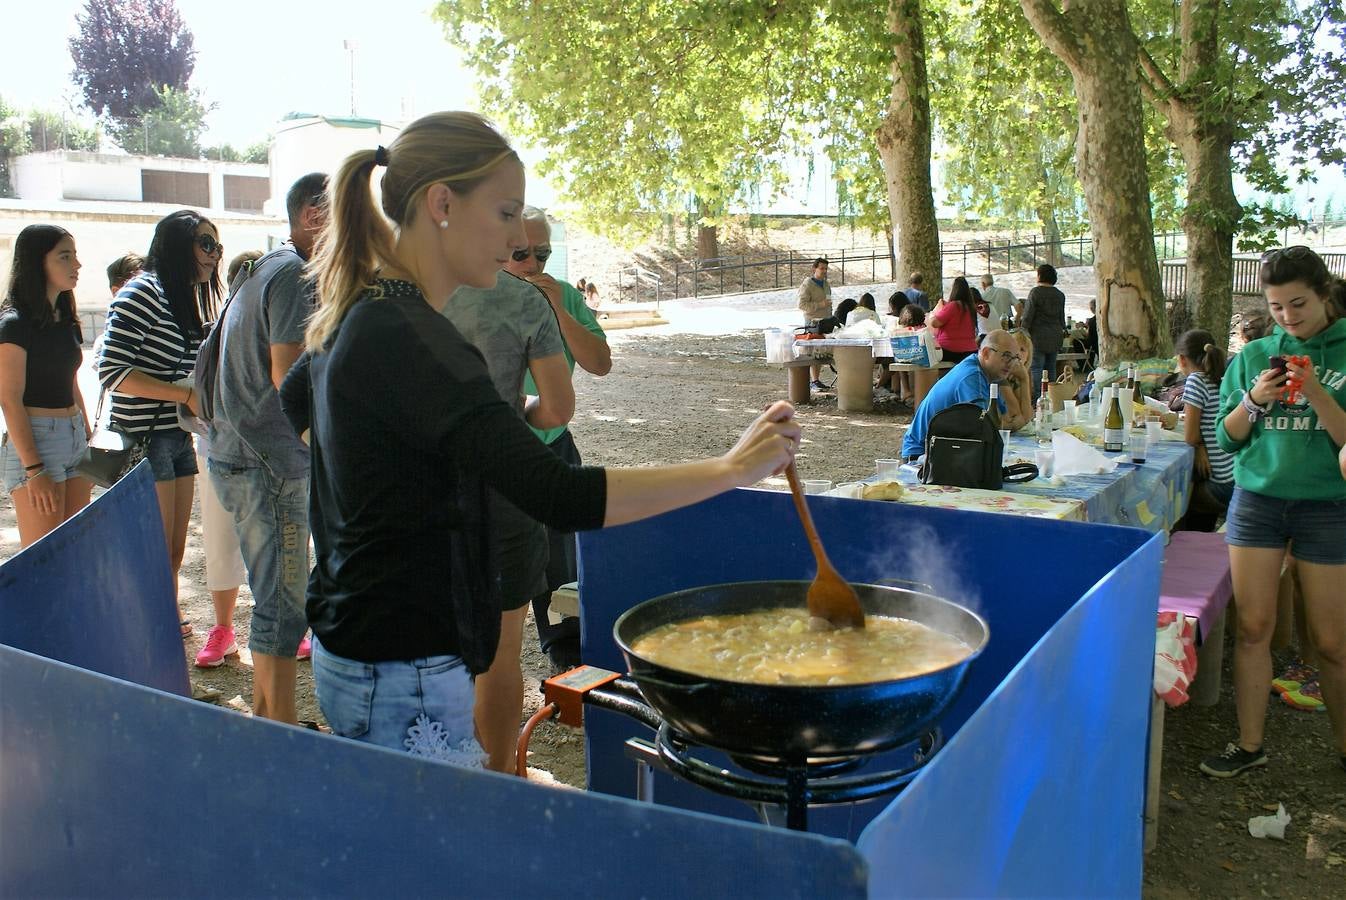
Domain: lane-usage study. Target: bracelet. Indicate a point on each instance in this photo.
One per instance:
(29, 476)
(188, 401)
(36, 465)
(1254, 411)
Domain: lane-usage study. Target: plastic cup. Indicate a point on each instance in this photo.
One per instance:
(1046, 462)
(816, 485)
(887, 468)
(1068, 407)
(1154, 430)
(1004, 445)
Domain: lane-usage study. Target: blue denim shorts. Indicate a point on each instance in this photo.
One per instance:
(171, 455)
(271, 520)
(419, 706)
(1314, 529)
(60, 445)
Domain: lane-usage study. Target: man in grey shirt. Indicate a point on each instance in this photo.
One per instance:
(259, 468)
(1001, 300)
(516, 330)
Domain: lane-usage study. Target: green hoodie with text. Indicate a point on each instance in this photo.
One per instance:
(1288, 454)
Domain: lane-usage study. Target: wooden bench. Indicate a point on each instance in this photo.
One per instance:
(1196, 582)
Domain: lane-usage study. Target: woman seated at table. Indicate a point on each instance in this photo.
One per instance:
(1015, 390)
(955, 322)
(864, 312)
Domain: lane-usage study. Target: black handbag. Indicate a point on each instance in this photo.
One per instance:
(963, 449)
(111, 452)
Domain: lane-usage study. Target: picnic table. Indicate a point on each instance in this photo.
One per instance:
(854, 359)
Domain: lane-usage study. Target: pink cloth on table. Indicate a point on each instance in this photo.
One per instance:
(1196, 580)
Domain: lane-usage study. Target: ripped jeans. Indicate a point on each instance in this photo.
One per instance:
(420, 706)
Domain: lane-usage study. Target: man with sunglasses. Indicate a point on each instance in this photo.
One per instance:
(585, 344)
(257, 465)
(968, 382)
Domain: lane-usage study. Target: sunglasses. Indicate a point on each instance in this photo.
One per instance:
(208, 244)
(541, 254)
(1299, 251)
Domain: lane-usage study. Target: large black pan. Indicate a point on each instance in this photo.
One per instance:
(794, 721)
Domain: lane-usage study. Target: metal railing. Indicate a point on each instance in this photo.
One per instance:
(634, 276)
(745, 273)
(1246, 280)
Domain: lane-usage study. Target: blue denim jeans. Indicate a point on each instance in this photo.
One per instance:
(271, 519)
(1314, 529)
(60, 446)
(419, 706)
(171, 455)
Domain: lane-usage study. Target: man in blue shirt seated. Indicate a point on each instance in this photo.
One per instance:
(967, 382)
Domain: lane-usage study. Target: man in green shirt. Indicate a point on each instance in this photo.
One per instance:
(586, 344)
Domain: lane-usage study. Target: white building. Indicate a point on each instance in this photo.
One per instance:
(59, 175)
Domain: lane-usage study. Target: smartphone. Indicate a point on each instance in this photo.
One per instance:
(1277, 364)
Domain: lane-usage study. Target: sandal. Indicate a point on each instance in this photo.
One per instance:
(186, 627)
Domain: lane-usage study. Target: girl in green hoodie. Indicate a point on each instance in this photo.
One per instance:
(1289, 490)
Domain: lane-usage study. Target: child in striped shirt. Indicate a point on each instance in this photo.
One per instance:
(1203, 363)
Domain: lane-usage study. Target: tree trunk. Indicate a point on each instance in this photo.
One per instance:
(1199, 120)
(707, 242)
(904, 149)
(1209, 222)
(1095, 41)
(892, 253)
(1051, 231)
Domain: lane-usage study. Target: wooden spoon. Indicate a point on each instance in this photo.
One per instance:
(830, 597)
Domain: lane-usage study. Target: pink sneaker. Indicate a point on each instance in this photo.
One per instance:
(219, 644)
(305, 649)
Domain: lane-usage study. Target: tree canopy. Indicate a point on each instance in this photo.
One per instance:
(129, 56)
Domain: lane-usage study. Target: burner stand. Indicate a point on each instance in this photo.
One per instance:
(770, 783)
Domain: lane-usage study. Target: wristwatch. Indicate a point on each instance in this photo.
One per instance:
(1253, 410)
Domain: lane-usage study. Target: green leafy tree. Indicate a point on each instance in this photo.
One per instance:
(643, 106)
(14, 141)
(127, 53)
(172, 127)
(52, 131)
(1246, 86)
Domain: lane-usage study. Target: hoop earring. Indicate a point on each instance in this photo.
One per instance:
(444, 223)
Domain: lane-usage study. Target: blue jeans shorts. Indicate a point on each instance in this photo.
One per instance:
(418, 706)
(1315, 529)
(60, 445)
(171, 455)
(271, 520)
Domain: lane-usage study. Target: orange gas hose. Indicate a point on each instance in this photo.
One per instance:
(548, 711)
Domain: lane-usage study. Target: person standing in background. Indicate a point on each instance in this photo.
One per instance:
(584, 343)
(815, 304)
(516, 331)
(153, 329)
(1044, 319)
(915, 294)
(1000, 299)
(257, 464)
(46, 426)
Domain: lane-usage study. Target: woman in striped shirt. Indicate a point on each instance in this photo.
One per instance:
(1203, 363)
(154, 327)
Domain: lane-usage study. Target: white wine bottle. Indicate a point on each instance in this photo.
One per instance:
(1114, 427)
(1043, 411)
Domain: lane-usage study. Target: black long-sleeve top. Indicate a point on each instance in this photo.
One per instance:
(403, 417)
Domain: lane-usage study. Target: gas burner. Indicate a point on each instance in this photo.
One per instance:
(772, 783)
